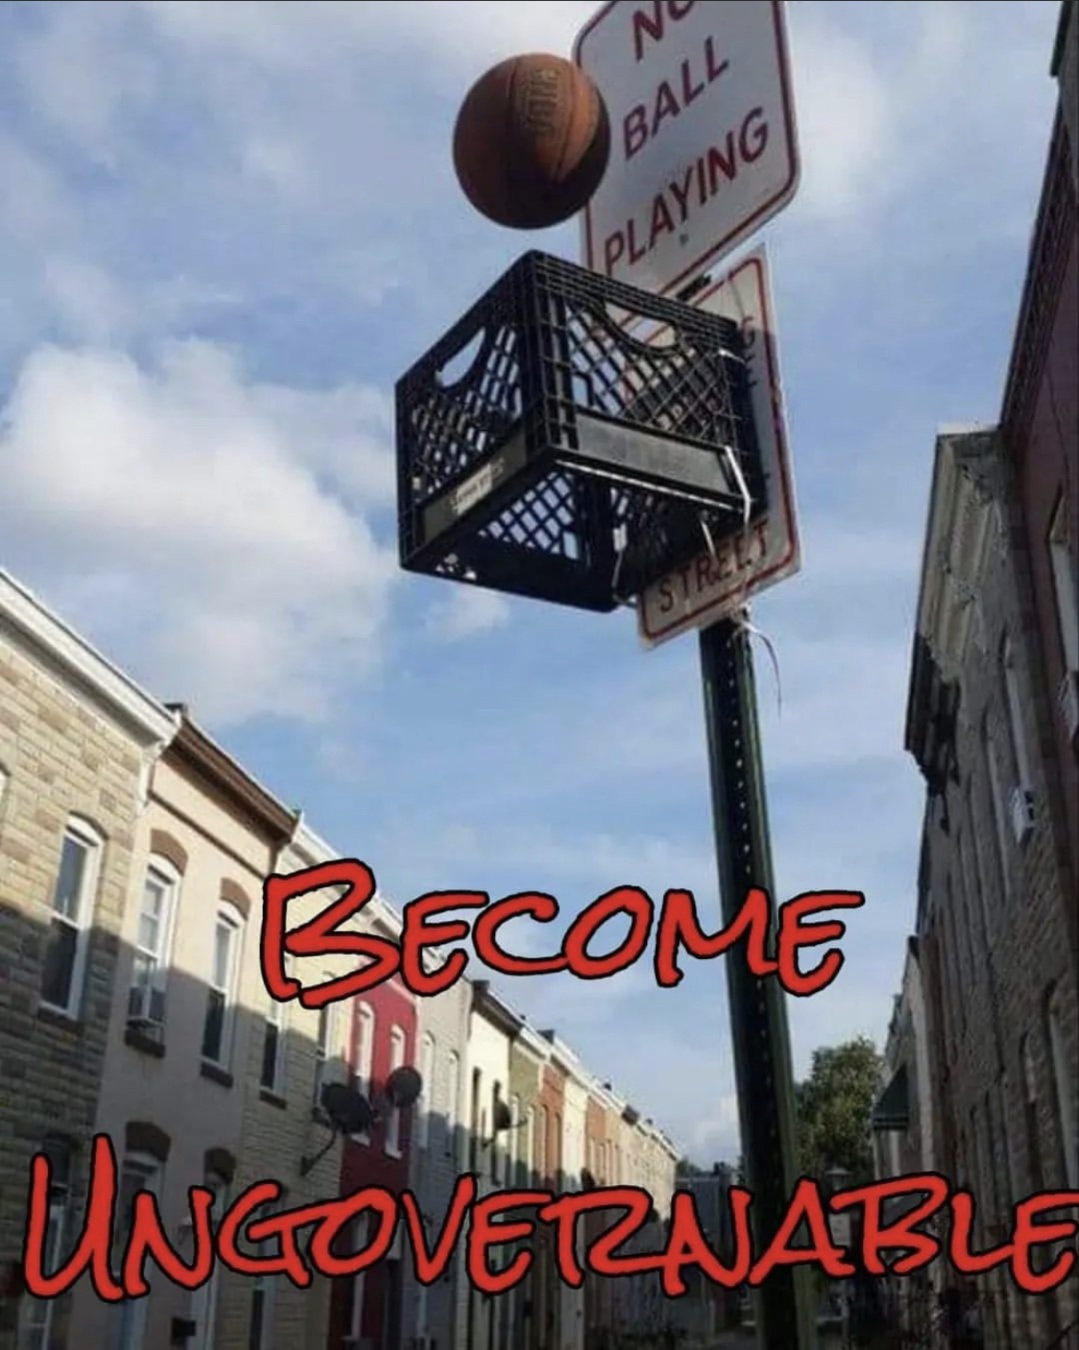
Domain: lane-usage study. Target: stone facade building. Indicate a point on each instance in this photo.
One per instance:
(993, 909)
(77, 746)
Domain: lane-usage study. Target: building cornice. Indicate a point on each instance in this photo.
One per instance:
(195, 751)
(48, 641)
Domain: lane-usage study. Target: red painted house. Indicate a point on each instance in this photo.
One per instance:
(365, 1312)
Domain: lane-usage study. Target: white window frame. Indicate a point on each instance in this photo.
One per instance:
(364, 1031)
(277, 1018)
(82, 833)
(131, 1313)
(398, 1050)
(453, 1099)
(325, 1044)
(35, 1323)
(204, 1300)
(1063, 565)
(265, 1285)
(233, 919)
(355, 1320)
(427, 1096)
(512, 1144)
(168, 877)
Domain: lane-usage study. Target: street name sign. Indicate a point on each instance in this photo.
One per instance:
(713, 586)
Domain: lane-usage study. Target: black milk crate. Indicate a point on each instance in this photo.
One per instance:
(568, 459)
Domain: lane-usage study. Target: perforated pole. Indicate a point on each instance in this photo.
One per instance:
(762, 1062)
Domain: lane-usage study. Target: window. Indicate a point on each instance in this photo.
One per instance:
(1014, 705)
(427, 1097)
(139, 1172)
(393, 1119)
(996, 792)
(69, 928)
(1064, 1087)
(541, 1145)
(324, 1046)
(453, 1092)
(221, 996)
(146, 1000)
(272, 1077)
(355, 1319)
(260, 1333)
(1063, 560)
(496, 1143)
(364, 1031)
(513, 1146)
(36, 1321)
(204, 1299)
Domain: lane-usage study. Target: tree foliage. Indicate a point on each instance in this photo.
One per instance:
(834, 1105)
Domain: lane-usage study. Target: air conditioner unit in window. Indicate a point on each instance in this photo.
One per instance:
(146, 1010)
(1068, 702)
(1022, 813)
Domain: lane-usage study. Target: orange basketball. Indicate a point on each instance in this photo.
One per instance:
(531, 142)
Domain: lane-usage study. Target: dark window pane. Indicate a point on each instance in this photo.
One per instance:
(215, 1025)
(254, 1340)
(59, 964)
(269, 1057)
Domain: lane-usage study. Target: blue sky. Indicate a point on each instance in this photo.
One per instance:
(226, 229)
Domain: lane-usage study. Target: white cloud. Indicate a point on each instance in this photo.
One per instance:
(202, 519)
(466, 611)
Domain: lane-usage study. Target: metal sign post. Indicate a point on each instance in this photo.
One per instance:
(762, 1061)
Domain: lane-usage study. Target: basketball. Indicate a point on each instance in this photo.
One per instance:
(531, 142)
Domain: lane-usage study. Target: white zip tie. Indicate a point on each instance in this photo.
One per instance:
(741, 620)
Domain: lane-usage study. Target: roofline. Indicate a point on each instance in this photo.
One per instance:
(197, 750)
(40, 630)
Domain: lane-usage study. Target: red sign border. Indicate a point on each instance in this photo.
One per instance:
(687, 622)
(768, 208)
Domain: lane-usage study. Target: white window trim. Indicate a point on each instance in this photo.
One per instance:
(365, 1029)
(426, 1103)
(398, 1051)
(165, 872)
(93, 841)
(325, 1046)
(204, 1300)
(355, 1321)
(232, 916)
(276, 1016)
(131, 1318)
(41, 1329)
(453, 1099)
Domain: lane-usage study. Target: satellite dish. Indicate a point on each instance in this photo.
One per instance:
(347, 1110)
(403, 1086)
(502, 1116)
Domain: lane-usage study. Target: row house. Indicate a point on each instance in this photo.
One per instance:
(133, 852)
(902, 1122)
(993, 723)
(994, 905)
(78, 743)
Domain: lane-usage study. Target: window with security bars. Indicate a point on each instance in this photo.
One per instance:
(221, 995)
(146, 1000)
(69, 924)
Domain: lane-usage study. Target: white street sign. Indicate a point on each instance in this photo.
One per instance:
(713, 586)
(703, 143)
